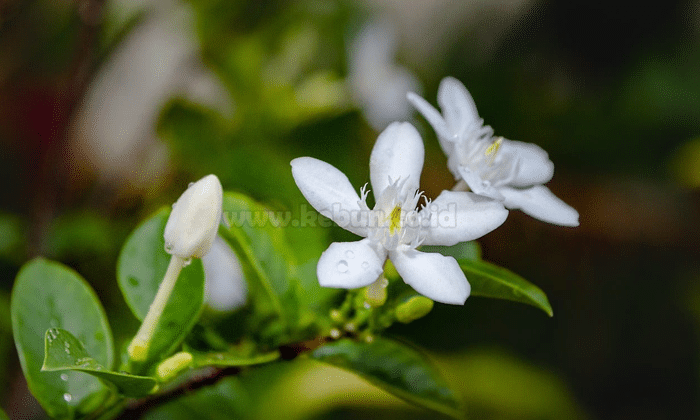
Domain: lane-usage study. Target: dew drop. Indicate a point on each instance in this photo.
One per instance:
(64, 376)
(190, 184)
(366, 305)
(365, 265)
(342, 266)
(133, 281)
(349, 254)
(168, 247)
(187, 262)
(67, 397)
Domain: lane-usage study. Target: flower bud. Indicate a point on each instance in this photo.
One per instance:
(194, 221)
(414, 308)
(173, 365)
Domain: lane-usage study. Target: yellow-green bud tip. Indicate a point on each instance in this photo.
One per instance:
(173, 365)
(414, 308)
(138, 350)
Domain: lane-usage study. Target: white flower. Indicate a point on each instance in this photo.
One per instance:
(509, 171)
(394, 227)
(377, 83)
(195, 218)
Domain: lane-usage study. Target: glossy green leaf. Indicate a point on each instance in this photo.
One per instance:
(489, 280)
(47, 295)
(65, 352)
(140, 270)
(396, 368)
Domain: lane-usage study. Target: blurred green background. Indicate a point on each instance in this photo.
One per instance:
(109, 108)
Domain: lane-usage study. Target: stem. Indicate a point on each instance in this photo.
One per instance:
(138, 349)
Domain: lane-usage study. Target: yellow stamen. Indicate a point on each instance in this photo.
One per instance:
(492, 150)
(395, 220)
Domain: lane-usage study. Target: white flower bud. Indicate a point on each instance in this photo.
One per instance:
(194, 221)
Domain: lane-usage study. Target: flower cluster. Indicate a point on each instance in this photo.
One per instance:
(500, 174)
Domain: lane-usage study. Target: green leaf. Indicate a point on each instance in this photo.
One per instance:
(225, 400)
(279, 251)
(396, 368)
(65, 352)
(462, 251)
(231, 359)
(3, 416)
(140, 270)
(256, 236)
(47, 295)
(489, 280)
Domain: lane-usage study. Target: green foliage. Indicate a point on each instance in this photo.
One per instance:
(489, 280)
(49, 295)
(396, 368)
(65, 352)
(279, 276)
(140, 270)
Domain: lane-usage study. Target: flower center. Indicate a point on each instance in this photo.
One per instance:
(493, 166)
(394, 219)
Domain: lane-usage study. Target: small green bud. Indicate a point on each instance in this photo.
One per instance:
(375, 293)
(414, 308)
(168, 368)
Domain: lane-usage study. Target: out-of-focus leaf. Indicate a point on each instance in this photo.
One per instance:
(48, 295)
(65, 352)
(495, 384)
(489, 280)
(225, 400)
(3, 416)
(140, 270)
(11, 237)
(396, 368)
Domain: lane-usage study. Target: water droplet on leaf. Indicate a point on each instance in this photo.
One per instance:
(64, 376)
(187, 262)
(133, 281)
(349, 254)
(342, 266)
(67, 397)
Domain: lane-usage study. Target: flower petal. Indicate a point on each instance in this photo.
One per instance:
(349, 265)
(329, 191)
(540, 203)
(461, 216)
(445, 137)
(534, 166)
(225, 287)
(398, 153)
(478, 185)
(458, 107)
(432, 275)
